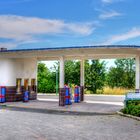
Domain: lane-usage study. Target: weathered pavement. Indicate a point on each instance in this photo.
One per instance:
(45, 120)
(82, 108)
(96, 104)
(19, 125)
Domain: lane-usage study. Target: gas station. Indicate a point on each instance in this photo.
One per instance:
(18, 68)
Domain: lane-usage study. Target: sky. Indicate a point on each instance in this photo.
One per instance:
(63, 23)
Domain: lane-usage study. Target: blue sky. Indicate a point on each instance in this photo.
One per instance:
(54, 23)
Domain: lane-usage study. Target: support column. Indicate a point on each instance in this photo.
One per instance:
(82, 79)
(61, 83)
(137, 73)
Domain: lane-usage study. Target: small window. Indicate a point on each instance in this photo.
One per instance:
(33, 85)
(18, 85)
(26, 84)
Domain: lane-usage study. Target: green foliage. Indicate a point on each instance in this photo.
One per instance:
(123, 75)
(132, 108)
(133, 102)
(72, 72)
(46, 79)
(94, 75)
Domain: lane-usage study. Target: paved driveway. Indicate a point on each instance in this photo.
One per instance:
(95, 104)
(52, 106)
(20, 125)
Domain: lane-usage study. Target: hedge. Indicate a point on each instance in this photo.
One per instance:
(132, 108)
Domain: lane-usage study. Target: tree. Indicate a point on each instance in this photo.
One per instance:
(123, 75)
(95, 75)
(115, 77)
(46, 79)
(72, 72)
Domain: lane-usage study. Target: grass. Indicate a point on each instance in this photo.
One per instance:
(116, 91)
(107, 91)
(111, 91)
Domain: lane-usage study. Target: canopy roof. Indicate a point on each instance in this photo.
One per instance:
(75, 52)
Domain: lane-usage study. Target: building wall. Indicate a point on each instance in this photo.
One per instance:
(7, 72)
(26, 69)
(11, 69)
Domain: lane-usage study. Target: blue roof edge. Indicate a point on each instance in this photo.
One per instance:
(73, 47)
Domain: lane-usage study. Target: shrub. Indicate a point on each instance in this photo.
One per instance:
(132, 108)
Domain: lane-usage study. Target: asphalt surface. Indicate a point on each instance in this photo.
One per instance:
(20, 125)
(26, 124)
(81, 108)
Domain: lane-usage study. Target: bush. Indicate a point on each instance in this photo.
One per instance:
(132, 108)
(133, 102)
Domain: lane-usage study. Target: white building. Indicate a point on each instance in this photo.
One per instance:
(18, 68)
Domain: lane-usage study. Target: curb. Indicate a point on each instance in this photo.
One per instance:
(52, 111)
(49, 94)
(92, 95)
(129, 116)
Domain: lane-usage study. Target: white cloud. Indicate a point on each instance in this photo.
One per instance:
(109, 14)
(14, 44)
(110, 1)
(20, 29)
(107, 1)
(81, 28)
(133, 33)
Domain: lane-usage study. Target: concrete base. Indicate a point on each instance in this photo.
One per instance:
(12, 96)
(62, 97)
(82, 93)
(33, 96)
(137, 90)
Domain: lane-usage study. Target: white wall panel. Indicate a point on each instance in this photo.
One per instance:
(10, 69)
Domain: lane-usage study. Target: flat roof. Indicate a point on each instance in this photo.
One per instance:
(72, 47)
(75, 52)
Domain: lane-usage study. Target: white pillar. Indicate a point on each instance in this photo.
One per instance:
(137, 72)
(61, 81)
(82, 73)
